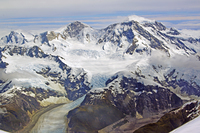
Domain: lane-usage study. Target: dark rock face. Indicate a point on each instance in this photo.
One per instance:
(2, 64)
(93, 114)
(110, 34)
(189, 88)
(172, 120)
(132, 48)
(193, 40)
(41, 94)
(173, 32)
(156, 26)
(186, 87)
(41, 39)
(74, 29)
(17, 50)
(34, 51)
(160, 26)
(18, 111)
(44, 39)
(175, 80)
(135, 98)
(150, 99)
(90, 118)
(75, 86)
(179, 42)
(5, 86)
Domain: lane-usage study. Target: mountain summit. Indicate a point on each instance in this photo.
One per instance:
(139, 19)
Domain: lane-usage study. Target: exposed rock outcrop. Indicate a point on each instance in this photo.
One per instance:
(173, 119)
(130, 98)
(17, 111)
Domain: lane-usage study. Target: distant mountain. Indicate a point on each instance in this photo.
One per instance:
(137, 68)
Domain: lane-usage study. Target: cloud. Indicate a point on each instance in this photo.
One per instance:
(193, 25)
(44, 24)
(39, 14)
(180, 21)
(15, 75)
(177, 61)
(42, 8)
(174, 18)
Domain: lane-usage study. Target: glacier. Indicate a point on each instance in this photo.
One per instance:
(54, 120)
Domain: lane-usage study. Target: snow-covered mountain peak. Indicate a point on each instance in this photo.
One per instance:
(14, 37)
(73, 29)
(75, 26)
(17, 37)
(139, 19)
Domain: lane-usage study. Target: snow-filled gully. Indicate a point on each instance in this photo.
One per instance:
(53, 121)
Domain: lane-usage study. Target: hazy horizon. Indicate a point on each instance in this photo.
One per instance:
(37, 15)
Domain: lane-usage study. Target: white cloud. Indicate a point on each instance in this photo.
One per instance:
(41, 8)
(44, 24)
(37, 14)
(177, 17)
(179, 61)
(193, 25)
(181, 21)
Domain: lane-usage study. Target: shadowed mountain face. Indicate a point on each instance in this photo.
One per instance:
(134, 68)
(173, 119)
(107, 107)
(17, 111)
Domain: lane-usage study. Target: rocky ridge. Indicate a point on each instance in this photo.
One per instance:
(126, 97)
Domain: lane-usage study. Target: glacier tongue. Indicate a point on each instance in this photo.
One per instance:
(54, 120)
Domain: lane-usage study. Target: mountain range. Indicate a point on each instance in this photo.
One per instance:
(131, 74)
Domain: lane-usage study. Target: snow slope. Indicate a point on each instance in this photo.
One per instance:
(1, 131)
(191, 126)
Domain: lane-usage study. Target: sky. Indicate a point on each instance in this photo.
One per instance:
(53, 14)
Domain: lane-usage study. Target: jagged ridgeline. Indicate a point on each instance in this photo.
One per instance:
(131, 73)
